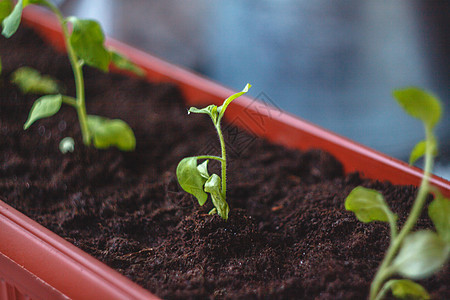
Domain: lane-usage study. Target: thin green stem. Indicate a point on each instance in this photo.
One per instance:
(384, 289)
(70, 101)
(224, 162)
(78, 73)
(380, 277)
(392, 225)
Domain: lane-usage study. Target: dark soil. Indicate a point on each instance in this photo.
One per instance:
(288, 235)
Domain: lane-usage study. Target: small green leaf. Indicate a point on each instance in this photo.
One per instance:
(421, 254)
(12, 21)
(5, 9)
(43, 107)
(407, 289)
(368, 205)
(439, 212)
(221, 109)
(203, 169)
(190, 179)
(30, 80)
(107, 133)
(420, 148)
(212, 186)
(123, 63)
(67, 144)
(87, 40)
(420, 104)
(210, 110)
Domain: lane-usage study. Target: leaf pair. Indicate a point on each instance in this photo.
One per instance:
(105, 132)
(216, 113)
(111, 132)
(87, 40)
(195, 179)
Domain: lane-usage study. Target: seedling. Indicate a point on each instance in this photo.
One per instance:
(195, 179)
(85, 45)
(419, 254)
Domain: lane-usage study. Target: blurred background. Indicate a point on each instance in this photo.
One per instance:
(333, 63)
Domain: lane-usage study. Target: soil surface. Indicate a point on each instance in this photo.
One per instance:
(288, 234)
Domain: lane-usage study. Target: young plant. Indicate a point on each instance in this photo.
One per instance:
(85, 45)
(195, 179)
(419, 254)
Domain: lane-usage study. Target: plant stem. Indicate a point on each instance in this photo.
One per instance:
(381, 274)
(223, 162)
(78, 73)
(384, 289)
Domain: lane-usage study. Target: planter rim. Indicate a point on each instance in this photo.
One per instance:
(93, 279)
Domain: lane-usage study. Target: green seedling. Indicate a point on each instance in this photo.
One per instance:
(85, 45)
(195, 179)
(412, 255)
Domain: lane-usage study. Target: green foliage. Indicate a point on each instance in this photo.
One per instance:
(194, 178)
(408, 290)
(85, 45)
(5, 9)
(30, 80)
(45, 106)
(12, 21)
(107, 133)
(123, 63)
(419, 104)
(439, 212)
(368, 205)
(420, 148)
(87, 40)
(419, 254)
(212, 186)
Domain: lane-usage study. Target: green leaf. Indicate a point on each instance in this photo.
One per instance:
(12, 21)
(439, 212)
(67, 144)
(87, 41)
(368, 205)
(5, 9)
(212, 186)
(30, 80)
(111, 132)
(203, 169)
(420, 148)
(407, 289)
(221, 109)
(43, 107)
(123, 63)
(190, 179)
(420, 104)
(421, 254)
(210, 110)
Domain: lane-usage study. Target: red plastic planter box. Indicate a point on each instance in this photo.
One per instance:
(36, 263)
